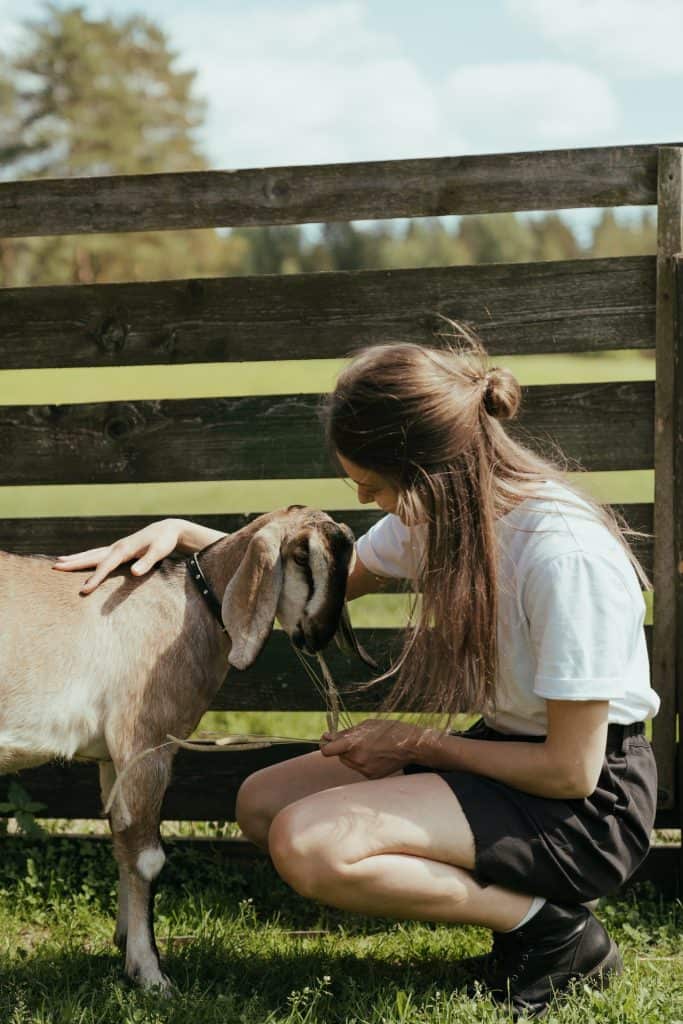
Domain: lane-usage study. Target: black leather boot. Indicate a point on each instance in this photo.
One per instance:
(529, 965)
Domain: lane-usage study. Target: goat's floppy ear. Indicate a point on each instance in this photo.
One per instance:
(251, 597)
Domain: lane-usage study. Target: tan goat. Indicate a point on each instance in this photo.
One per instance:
(106, 676)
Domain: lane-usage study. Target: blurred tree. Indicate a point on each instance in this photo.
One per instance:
(103, 97)
(270, 250)
(90, 97)
(633, 237)
(553, 239)
(497, 238)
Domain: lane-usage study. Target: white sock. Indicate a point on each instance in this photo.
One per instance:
(536, 904)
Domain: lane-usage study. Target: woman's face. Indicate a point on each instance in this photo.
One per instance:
(371, 486)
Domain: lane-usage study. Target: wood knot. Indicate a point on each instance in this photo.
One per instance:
(112, 334)
(124, 421)
(168, 341)
(275, 190)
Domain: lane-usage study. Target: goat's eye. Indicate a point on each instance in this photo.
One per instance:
(300, 558)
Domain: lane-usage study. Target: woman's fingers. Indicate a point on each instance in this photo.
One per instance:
(143, 565)
(338, 744)
(106, 566)
(80, 559)
(148, 546)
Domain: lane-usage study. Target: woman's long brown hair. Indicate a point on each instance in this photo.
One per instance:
(427, 419)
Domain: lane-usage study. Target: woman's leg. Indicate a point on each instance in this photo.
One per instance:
(395, 847)
(402, 847)
(266, 792)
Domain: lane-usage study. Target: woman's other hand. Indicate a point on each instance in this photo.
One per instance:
(375, 747)
(149, 546)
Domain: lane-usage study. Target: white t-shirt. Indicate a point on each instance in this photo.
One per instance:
(570, 610)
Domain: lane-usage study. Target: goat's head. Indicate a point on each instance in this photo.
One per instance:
(295, 567)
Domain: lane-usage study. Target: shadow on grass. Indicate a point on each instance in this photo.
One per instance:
(207, 979)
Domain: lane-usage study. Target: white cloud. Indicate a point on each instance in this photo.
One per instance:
(311, 84)
(312, 81)
(532, 104)
(632, 38)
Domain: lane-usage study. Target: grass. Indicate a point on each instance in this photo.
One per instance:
(244, 949)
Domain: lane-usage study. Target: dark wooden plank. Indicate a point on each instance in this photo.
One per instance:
(65, 534)
(489, 183)
(677, 431)
(669, 242)
(600, 426)
(276, 682)
(557, 306)
(204, 785)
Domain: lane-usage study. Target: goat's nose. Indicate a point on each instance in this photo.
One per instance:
(298, 638)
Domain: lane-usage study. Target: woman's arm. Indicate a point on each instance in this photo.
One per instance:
(193, 537)
(148, 546)
(362, 581)
(566, 766)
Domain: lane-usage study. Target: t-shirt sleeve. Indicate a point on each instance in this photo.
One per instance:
(582, 619)
(389, 548)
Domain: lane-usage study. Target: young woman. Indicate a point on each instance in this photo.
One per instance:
(531, 615)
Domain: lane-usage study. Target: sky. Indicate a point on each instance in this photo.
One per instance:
(322, 81)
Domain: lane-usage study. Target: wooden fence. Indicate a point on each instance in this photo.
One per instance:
(582, 305)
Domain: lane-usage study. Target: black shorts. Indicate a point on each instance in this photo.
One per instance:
(568, 851)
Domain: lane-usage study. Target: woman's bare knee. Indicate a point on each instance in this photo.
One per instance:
(253, 809)
(265, 793)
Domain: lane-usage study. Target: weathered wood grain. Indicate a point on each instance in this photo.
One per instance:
(677, 432)
(602, 426)
(65, 534)
(490, 183)
(558, 306)
(664, 668)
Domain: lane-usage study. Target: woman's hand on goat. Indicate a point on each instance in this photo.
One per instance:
(375, 748)
(148, 546)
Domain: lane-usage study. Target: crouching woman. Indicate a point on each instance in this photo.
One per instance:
(531, 615)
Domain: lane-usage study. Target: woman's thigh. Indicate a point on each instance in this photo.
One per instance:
(265, 793)
(418, 815)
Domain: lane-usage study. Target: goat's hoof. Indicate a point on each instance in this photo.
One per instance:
(151, 980)
(162, 986)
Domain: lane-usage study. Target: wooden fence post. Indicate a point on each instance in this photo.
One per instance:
(667, 425)
(678, 511)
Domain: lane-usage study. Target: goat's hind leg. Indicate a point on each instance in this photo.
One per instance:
(137, 847)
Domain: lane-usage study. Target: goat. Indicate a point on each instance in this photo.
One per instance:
(109, 675)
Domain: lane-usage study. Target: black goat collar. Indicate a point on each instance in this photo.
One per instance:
(204, 588)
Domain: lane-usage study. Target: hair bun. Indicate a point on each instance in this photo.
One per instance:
(503, 394)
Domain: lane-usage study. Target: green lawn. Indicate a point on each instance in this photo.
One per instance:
(227, 936)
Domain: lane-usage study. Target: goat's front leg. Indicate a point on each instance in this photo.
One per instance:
(107, 779)
(137, 847)
(142, 956)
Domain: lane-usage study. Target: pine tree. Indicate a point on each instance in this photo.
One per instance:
(87, 96)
